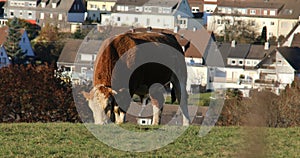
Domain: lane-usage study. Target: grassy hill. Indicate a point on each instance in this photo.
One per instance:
(74, 140)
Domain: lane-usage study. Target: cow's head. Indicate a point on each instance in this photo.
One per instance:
(100, 101)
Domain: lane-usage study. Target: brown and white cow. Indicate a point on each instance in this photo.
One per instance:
(107, 93)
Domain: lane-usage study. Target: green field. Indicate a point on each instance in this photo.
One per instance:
(74, 140)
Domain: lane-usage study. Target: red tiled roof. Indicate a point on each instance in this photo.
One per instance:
(4, 33)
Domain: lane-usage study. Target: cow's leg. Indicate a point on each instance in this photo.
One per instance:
(157, 104)
(184, 107)
(119, 115)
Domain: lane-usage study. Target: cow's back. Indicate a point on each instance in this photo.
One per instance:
(112, 49)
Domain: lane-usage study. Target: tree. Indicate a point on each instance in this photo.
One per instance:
(12, 43)
(48, 44)
(263, 37)
(32, 29)
(78, 34)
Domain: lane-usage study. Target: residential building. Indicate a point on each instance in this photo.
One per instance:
(21, 9)
(60, 13)
(279, 68)
(97, 7)
(278, 16)
(155, 13)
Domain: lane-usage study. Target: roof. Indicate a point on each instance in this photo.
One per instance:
(199, 40)
(258, 51)
(131, 2)
(3, 31)
(250, 4)
(69, 52)
(292, 55)
(63, 6)
(88, 47)
(296, 40)
(239, 51)
(162, 3)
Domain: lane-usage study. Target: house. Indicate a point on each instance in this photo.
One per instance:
(97, 7)
(77, 57)
(21, 9)
(279, 68)
(59, 13)
(4, 60)
(24, 43)
(155, 13)
(278, 16)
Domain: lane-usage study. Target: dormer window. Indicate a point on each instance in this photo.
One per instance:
(138, 9)
(252, 12)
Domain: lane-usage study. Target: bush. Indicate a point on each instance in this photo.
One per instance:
(35, 94)
(263, 109)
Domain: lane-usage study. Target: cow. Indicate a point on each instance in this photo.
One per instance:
(117, 63)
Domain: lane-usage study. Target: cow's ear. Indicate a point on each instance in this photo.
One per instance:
(87, 96)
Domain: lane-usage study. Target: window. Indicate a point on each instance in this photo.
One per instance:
(241, 62)
(158, 20)
(138, 9)
(248, 62)
(42, 16)
(118, 19)
(233, 62)
(265, 12)
(183, 22)
(166, 10)
(136, 19)
(273, 12)
(148, 21)
(30, 14)
(103, 7)
(252, 12)
(21, 13)
(219, 21)
(51, 15)
(11, 13)
(272, 23)
(147, 9)
(59, 16)
(86, 57)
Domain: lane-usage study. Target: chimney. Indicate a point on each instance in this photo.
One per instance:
(267, 45)
(233, 43)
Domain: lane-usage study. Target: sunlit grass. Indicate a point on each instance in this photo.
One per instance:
(74, 140)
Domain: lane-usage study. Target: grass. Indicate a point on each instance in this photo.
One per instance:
(74, 140)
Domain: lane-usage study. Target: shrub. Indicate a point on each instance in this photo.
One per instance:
(35, 94)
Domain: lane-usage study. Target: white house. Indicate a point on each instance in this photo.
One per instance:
(154, 13)
(278, 16)
(279, 68)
